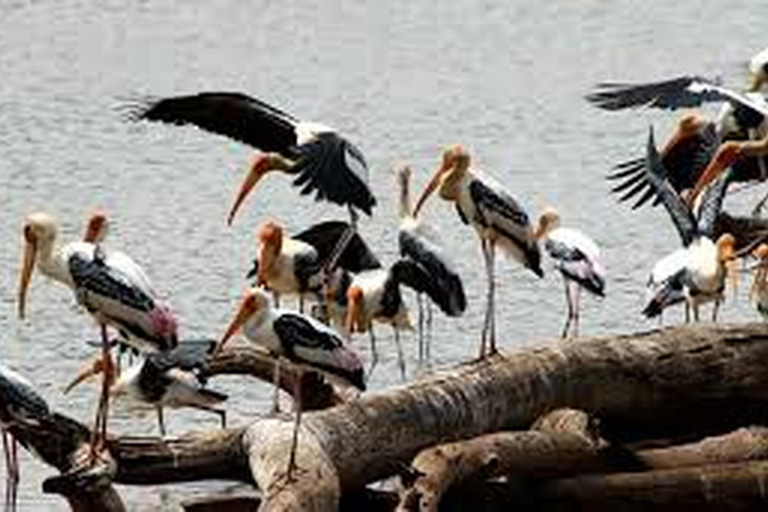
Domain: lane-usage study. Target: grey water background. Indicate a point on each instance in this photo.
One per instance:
(402, 79)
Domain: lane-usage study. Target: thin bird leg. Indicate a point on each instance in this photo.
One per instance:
(160, 421)
(99, 434)
(484, 245)
(295, 441)
(570, 308)
(492, 258)
(687, 312)
(696, 312)
(715, 308)
(400, 358)
(276, 299)
(8, 471)
(275, 410)
(419, 301)
(429, 332)
(374, 354)
(220, 412)
(577, 310)
(301, 303)
(14, 473)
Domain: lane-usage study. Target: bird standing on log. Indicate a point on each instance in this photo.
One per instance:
(113, 288)
(577, 257)
(420, 244)
(19, 404)
(758, 291)
(300, 339)
(495, 215)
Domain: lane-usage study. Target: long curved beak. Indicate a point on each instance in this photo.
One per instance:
(266, 260)
(430, 188)
(247, 308)
(95, 367)
(260, 167)
(28, 264)
(719, 163)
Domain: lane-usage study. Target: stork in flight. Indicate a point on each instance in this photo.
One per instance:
(321, 160)
(110, 285)
(300, 339)
(698, 150)
(497, 218)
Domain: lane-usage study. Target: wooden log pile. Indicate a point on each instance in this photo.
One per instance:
(666, 419)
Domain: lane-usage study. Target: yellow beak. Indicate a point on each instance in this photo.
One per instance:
(247, 308)
(28, 264)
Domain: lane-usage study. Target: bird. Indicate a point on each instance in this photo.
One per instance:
(322, 160)
(112, 288)
(295, 264)
(298, 338)
(702, 277)
(758, 291)
(698, 149)
(662, 289)
(165, 379)
(497, 218)
(20, 405)
(578, 259)
(420, 244)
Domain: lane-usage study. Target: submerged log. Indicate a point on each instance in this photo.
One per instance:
(684, 382)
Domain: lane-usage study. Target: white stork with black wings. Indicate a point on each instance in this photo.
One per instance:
(497, 218)
(702, 271)
(300, 339)
(20, 404)
(323, 161)
(110, 285)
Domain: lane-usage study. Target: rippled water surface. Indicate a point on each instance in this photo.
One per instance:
(400, 78)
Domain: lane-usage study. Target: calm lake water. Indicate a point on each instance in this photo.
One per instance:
(402, 79)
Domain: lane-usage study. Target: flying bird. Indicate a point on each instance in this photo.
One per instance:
(578, 259)
(497, 218)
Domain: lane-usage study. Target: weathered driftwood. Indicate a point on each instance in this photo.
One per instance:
(563, 444)
(675, 382)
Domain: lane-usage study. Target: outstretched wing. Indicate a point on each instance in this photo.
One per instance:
(232, 114)
(681, 92)
(678, 211)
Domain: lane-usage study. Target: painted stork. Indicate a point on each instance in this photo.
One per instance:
(421, 244)
(758, 291)
(322, 160)
(662, 289)
(702, 278)
(113, 288)
(498, 219)
(698, 149)
(20, 404)
(165, 379)
(577, 257)
(300, 339)
(295, 264)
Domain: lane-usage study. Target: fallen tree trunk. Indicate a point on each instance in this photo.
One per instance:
(676, 382)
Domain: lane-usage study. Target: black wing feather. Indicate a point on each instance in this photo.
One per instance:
(232, 114)
(667, 94)
(94, 276)
(324, 237)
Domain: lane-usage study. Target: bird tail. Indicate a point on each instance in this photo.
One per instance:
(662, 298)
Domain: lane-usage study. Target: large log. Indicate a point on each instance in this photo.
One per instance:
(675, 382)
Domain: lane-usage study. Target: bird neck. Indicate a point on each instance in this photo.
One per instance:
(52, 261)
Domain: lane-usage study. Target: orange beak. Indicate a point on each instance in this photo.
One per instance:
(688, 126)
(28, 264)
(95, 367)
(260, 167)
(266, 260)
(726, 155)
(248, 306)
(355, 321)
(432, 185)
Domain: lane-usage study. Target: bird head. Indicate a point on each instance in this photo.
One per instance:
(759, 269)
(254, 300)
(455, 163)
(264, 163)
(728, 153)
(97, 229)
(39, 231)
(355, 321)
(270, 237)
(549, 219)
